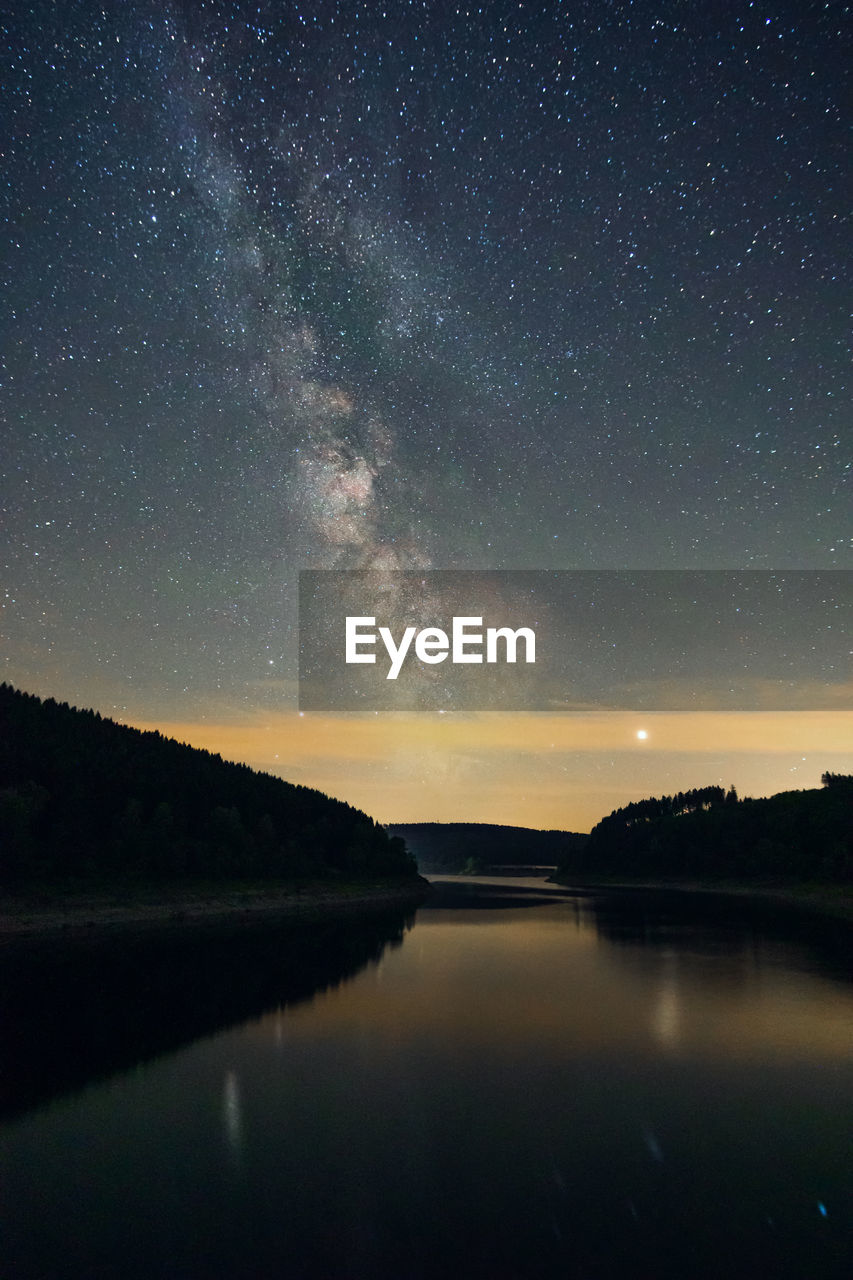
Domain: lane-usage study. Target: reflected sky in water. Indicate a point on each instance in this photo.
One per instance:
(549, 981)
(582, 1087)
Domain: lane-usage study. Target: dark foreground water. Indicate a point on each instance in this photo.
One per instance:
(514, 1083)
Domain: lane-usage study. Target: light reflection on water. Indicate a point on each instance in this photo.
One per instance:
(232, 1114)
(581, 1087)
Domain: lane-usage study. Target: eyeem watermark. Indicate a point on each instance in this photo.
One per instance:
(571, 640)
(433, 645)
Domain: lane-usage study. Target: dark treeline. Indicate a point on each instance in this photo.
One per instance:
(84, 797)
(709, 832)
(476, 846)
(665, 806)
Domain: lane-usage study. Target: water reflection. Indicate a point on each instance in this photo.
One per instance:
(591, 1086)
(666, 1019)
(705, 926)
(495, 893)
(76, 1011)
(637, 972)
(232, 1114)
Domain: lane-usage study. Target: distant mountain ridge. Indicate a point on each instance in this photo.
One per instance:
(85, 798)
(455, 847)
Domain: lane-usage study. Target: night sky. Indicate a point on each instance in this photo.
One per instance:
(343, 286)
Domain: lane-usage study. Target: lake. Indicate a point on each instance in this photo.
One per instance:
(515, 1081)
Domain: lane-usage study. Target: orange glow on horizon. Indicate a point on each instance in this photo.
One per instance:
(527, 769)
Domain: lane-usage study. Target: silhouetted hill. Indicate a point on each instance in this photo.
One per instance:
(711, 834)
(475, 846)
(82, 797)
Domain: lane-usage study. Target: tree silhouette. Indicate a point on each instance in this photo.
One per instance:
(84, 797)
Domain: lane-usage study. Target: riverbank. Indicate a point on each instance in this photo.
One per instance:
(831, 899)
(54, 913)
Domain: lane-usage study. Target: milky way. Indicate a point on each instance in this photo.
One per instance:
(341, 286)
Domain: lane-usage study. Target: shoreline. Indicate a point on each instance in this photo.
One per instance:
(108, 911)
(833, 900)
(48, 914)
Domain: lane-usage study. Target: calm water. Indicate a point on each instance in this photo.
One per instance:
(512, 1083)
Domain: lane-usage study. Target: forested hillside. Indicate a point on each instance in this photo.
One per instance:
(82, 797)
(710, 833)
(476, 846)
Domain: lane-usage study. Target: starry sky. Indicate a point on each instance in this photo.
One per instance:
(345, 286)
